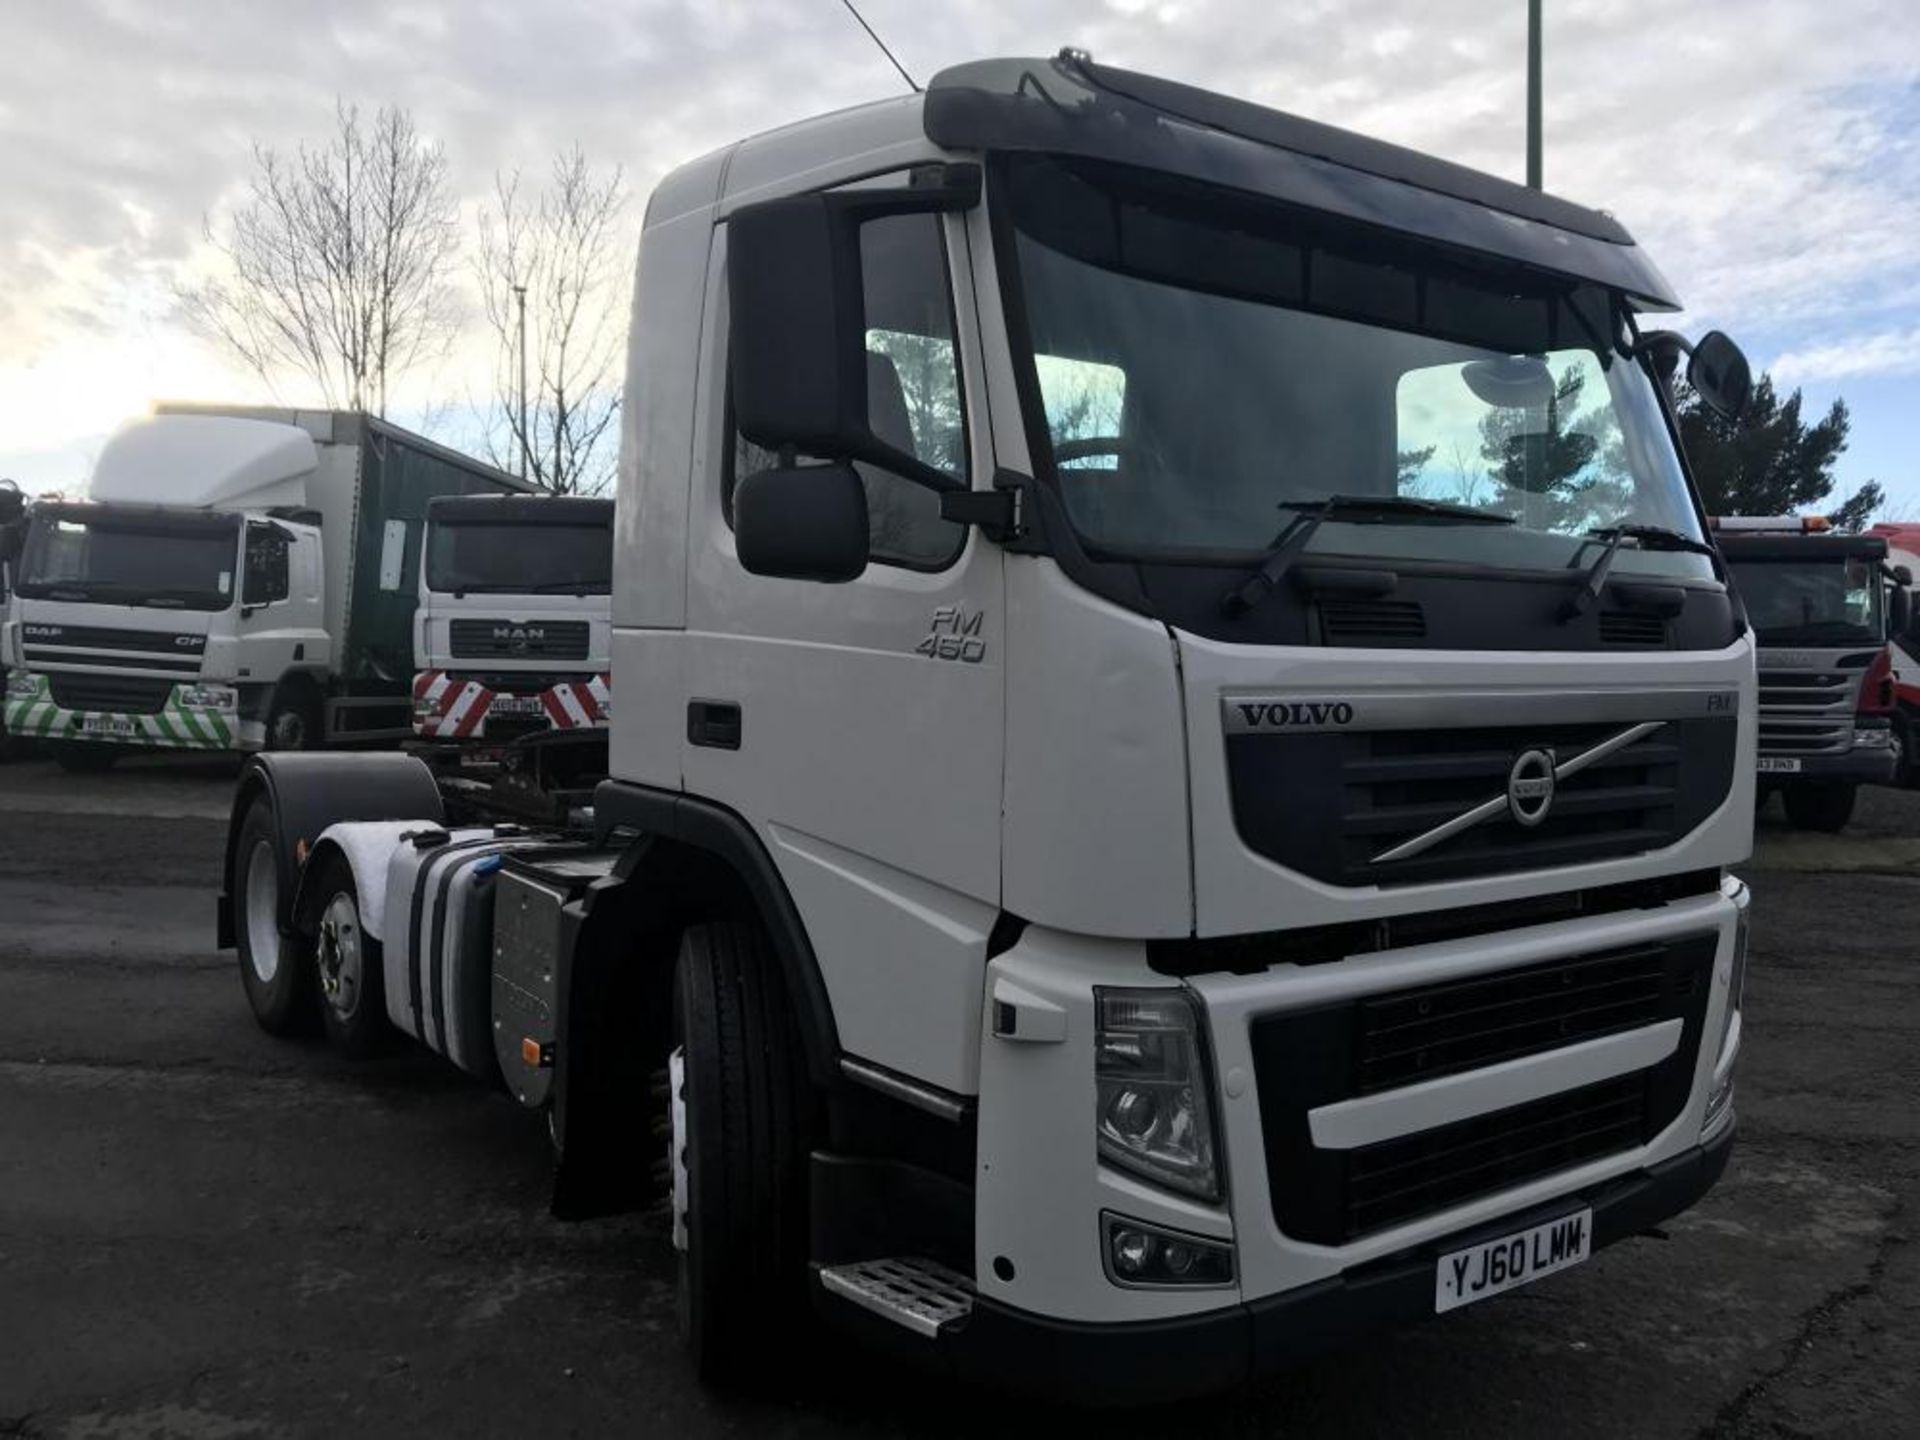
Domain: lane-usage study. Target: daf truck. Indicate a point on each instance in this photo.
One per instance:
(515, 618)
(238, 579)
(1179, 739)
(1823, 606)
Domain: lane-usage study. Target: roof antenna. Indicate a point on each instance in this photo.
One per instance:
(912, 84)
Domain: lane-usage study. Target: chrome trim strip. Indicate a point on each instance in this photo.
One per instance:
(1487, 809)
(1309, 712)
(930, 1098)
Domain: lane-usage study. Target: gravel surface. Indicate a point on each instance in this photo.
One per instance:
(206, 1232)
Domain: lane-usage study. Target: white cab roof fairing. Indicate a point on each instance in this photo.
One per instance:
(204, 462)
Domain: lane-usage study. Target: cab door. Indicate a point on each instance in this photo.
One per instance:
(858, 727)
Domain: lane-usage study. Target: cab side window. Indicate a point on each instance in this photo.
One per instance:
(266, 580)
(913, 393)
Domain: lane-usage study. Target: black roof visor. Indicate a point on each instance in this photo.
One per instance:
(521, 510)
(1068, 107)
(1762, 545)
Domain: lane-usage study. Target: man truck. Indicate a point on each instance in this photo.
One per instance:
(512, 634)
(1177, 747)
(237, 579)
(1822, 605)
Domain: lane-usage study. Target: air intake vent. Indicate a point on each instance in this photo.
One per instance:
(1372, 622)
(1626, 627)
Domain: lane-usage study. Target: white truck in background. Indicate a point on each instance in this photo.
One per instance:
(238, 578)
(13, 530)
(1123, 864)
(514, 628)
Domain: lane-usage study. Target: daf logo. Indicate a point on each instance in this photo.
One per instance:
(187, 642)
(41, 632)
(1530, 787)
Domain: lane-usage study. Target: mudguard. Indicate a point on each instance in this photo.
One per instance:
(309, 792)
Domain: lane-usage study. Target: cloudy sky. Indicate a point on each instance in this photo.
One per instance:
(1767, 151)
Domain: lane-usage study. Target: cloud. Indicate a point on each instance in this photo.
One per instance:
(1764, 151)
(1891, 352)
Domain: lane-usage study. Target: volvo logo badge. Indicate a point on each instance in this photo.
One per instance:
(1530, 787)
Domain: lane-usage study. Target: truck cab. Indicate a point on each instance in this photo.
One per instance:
(1823, 606)
(1180, 743)
(145, 613)
(512, 634)
(1903, 563)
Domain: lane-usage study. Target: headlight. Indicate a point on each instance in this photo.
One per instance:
(1873, 739)
(1154, 1112)
(208, 697)
(22, 685)
(1140, 1255)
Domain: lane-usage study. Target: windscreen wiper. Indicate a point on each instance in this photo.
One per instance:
(1650, 537)
(1312, 514)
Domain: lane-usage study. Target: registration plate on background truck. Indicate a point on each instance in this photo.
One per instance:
(1478, 1271)
(1779, 765)
(118, 726)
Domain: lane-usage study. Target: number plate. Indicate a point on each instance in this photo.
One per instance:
(1779, 765)
(119, 726)
(516, 705)
(1482, 1270)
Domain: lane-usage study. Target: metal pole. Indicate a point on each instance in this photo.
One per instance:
(520, 298)
(1533, 94)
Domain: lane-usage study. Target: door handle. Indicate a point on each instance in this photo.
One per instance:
(714, 724)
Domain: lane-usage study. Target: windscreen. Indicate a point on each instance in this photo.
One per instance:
(1208, 368)
(1792, 602)
(494, 557)
(185, 564)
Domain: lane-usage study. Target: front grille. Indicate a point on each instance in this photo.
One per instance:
(100, 637)
(1443, 1029)
(1374, 1045)
(1388, 787)
(120, 694)
(1372, 622)
(1401, 1180)
(519, 639)
(1807, 712)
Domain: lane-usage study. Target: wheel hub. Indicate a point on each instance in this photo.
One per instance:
(677, 1142)
(339, 954)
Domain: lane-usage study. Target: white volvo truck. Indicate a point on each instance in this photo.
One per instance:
(1178, 747)
(237, 579)
(516, 609)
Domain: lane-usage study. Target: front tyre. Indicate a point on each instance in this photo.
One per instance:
(1825, 807)
(741, 1112)
(293, 720)
(276, 969)
(348, 965)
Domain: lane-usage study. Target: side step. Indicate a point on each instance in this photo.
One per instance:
(921, 1295)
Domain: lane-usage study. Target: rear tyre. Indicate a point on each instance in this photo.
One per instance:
(293, 720)
(1820, 807)
(741, 1109)
(348, 965)
(276, 969)
(77, 757)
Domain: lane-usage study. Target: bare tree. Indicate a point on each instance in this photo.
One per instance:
(338, 263)
(562, 251)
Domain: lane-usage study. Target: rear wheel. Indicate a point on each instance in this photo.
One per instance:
(741, 1111)
(1820, 807)
(276, 969)
(78, 757)
(347, 964)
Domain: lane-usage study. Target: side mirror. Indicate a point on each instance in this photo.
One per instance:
(1719, 372)
(797, 321)
(808, 522)
(1900, 613)
(1902, 576)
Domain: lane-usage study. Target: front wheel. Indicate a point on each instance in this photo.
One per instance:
(293, 720)
(1820, 807)
(741, 1112)
(276, 969)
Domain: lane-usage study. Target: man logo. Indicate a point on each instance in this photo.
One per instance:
(518, 638)
(1530, 787)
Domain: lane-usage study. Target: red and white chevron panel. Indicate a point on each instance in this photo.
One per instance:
(459, 707)
(577, 705)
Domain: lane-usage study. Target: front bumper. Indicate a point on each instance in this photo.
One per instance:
(1143, 1362)
(32, 713)
(1863, 765)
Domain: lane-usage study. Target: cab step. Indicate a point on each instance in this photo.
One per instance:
(921, 1295)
